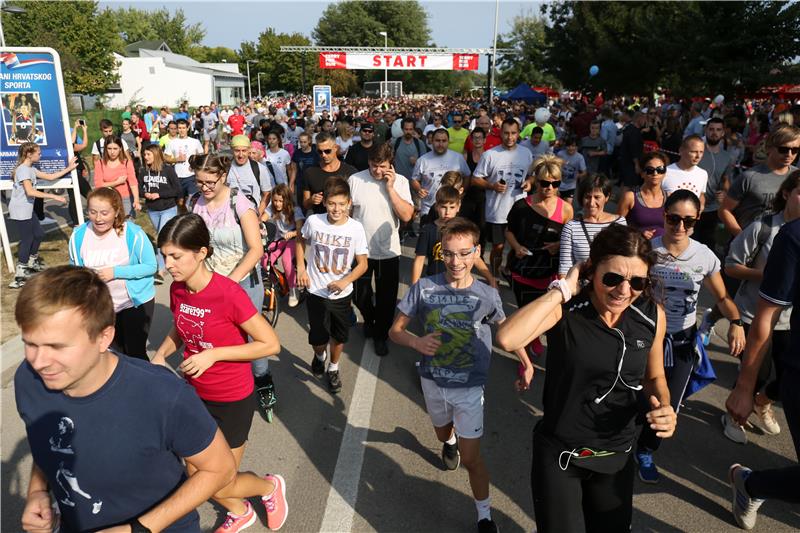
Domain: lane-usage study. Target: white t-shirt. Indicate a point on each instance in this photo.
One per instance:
(242, 178)
(430, 168)
(695, 179)
(178, 148)
(279, 160)
(372, 207)
(293, 135)
(512, 166)
(331, 250)
(344, 145)
(102, 142)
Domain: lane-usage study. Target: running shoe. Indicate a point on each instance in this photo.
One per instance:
(732, 430)
(334, 382)
(648, 472)
(235, 522)
(21, 275)
(275, 504)
(767, 416)
(451, 458)
(293, 299)
(706, 329)
(318, 366)
(265, 391)
(35, 264)
(487, 525)
(744, 508)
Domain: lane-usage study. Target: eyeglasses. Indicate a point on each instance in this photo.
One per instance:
(637, 283)
(449, 255)
(209, 185)
(675, 220)
(785, 150)
(545, 184)
(655, 170)
(325, 151)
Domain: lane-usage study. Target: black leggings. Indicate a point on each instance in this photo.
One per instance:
(31, 236)
(577, 499)
(132, 328)
(779, 345)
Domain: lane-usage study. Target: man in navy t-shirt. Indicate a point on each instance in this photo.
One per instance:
(107, 432)
(780, 288)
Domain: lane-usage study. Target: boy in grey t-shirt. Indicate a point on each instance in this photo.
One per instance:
(754, 192)
(456, 311)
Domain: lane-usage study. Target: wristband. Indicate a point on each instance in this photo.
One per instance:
(738, 322)
(138, 527)
(561, 285)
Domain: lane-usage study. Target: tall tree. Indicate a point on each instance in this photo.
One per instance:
(527, 39)
(135, 24)
(83, 37)
(279, 70)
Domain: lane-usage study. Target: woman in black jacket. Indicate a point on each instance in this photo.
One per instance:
(160, 187)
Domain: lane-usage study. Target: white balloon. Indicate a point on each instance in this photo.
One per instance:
(719, 99)
(541, 115)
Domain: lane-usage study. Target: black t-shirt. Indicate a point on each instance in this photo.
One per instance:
(429, 244)
(358, 156)
(585, 403)
(314, 179)
(533, 230)
(113, 455)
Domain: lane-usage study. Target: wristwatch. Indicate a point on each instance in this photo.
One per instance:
(138, 527)
(738, 322)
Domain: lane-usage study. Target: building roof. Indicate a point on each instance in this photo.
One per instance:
(132, 50)
(187, 63)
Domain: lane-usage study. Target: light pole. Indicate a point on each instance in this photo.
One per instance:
(258, 76)
(7, 9)
(494, 55)
(386, 69)
(249, 91)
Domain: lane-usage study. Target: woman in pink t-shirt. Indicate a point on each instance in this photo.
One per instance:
(213, 318)
(115, 169)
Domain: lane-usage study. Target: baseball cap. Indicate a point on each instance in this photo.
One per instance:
(240, 141)
(367, 126)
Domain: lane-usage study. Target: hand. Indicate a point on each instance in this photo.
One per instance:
(412, 160)
(552, 247)
(523, 383)
(290, 235)
(73, 163)
(720, 196)
(662, 419)
(521, 252)
(428, 344)
(198, 363)
(337, 286)
(499, 187)
(573, 278)
(648, 234)
(152, 196)
(389, 176)
(422, 193)
(106, 274)
(316, 199)
(59, 199)
(158, 360)
(302, 279)
(137, 206)
(736, 339)
(740, 404)
(38, 515)
(492, 281)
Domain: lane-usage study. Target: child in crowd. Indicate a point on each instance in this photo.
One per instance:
(288, 219)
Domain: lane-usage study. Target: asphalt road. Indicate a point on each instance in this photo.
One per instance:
(367, 459)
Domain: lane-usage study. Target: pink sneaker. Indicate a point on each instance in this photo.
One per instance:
(535, 348)
(234, 522)
(275, 503)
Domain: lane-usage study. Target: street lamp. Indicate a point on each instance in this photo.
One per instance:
(386, 69)
(10, 10)
(249, 91)
(258, 76)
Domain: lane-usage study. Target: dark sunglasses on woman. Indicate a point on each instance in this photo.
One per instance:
(655, 170)
(637, 283)
(674, 220)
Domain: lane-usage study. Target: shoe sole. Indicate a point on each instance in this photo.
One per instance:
(249, 522)
(285, 502)
(734, 492)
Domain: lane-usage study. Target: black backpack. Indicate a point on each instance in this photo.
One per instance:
(417, 145)
(257, 171)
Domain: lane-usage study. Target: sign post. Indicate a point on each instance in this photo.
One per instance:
(33, 108)
(322, 98)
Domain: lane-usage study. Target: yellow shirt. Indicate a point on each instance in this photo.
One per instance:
(457, 139)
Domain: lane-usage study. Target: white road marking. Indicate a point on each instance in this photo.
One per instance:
(341, 505)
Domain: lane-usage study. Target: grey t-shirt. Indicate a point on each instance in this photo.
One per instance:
(429, 171)
(742, 248)
(20, 206)
(573, 165)
(754, 191)
(588, 144)
(403, 155)
(716, 166)
(242, 178)
(677, 281)
(462, 316)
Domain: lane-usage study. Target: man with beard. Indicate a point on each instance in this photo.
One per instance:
(718, 163)
(358, 154)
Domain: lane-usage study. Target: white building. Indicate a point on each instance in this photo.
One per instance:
(150, 74)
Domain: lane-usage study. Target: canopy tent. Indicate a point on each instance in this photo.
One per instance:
(547, 91)
(524, 92)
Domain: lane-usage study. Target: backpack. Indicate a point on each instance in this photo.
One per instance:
(761, 239)
(262, 226)
(416, 145)
(257, 171)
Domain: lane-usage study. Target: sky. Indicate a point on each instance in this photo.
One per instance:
(455, 24)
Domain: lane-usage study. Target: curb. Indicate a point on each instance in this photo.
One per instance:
(13, 353)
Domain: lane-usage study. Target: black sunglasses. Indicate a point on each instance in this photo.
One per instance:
(637, 283)
(325, 151)
(554, 184)
(674, 220)
(655, 170)
(788, 149)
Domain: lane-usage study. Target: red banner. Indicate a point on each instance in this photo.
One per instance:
(380, 61)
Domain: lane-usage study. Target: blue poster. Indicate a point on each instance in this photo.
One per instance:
(322, 98)
(33, 109)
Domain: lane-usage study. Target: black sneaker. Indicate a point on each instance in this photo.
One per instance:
(318, 367)
(334, 383)
(450, 456)
(487, 526)
(265, 392)
(381, 348)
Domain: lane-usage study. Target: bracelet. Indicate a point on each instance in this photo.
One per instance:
(138, 527)
(561, 285)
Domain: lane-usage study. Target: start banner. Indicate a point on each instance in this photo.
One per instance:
(380, 61)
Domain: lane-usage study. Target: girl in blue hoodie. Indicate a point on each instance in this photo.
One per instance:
(124, 258)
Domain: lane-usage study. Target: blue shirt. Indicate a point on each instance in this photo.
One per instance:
(608, 131)
(112, 455)
(463, 317)
(781, 284)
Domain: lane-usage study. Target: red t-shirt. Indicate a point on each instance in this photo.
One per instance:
(236, 122)
(492, 140)
(141, 131)
(211, 318)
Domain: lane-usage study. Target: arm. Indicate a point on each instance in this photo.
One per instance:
(252, 236)
(291, 171)
(358, 271)
(57, 175)
(37, 516)
(31, 192)
(729, 310)
(565, 260)
(725, 214)
(626, 204)
(300, 259)
(519, 250)
(169, 346)
(662, 417)
(262, 205)
(744, 272)
(147, 257)
(484, 271)
(416, 268)
(740, 250)
(401, 207)
(133, 184)
(531, 321)
(702, 201)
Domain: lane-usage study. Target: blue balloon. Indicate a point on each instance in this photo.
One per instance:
(593, 70)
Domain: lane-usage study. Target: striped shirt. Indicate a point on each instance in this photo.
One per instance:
(574, 243)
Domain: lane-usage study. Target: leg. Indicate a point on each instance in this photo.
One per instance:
(470, 450)
(608, 500)
(155, 218)
(496, 258)
(38, 235)
(25, 228)
(118, 344)
(387, 279)
(557, 493)
(138, 325)
(254, 287)
(363, 295)
(288, 263)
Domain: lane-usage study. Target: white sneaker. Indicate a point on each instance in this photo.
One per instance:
(767, 417)
(732, 430)
(293, 300)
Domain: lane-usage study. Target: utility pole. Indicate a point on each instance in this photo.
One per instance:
(249, 91)
(494, 54)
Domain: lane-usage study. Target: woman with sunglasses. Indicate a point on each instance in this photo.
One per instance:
(605, 335)
(683, 265)
(643, 207)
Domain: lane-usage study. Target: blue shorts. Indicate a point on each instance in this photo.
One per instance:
(188, 186)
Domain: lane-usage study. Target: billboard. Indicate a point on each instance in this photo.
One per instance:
(322, 98)
(392, 61)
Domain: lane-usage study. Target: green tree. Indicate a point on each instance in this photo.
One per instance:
(135, 24)
(213, 54)
(527, 39)
(83, 37)
(280, 71)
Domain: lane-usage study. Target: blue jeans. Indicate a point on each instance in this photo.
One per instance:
(254, 287)
(159, 220)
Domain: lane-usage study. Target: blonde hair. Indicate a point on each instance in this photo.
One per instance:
(110, 195)
(158, 156)
(547, 166)
(782, 134)
(453, 178)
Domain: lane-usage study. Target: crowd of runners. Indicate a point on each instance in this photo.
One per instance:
(604, 219)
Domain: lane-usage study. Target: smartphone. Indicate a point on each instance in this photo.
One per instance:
(501, 181)
(81, 122)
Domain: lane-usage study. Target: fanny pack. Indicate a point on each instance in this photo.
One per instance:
(592, 459)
